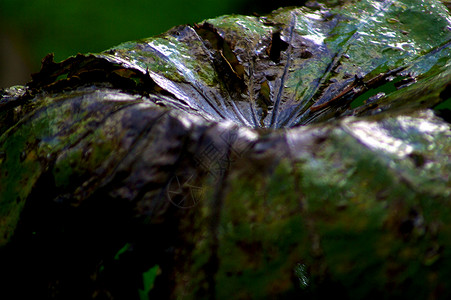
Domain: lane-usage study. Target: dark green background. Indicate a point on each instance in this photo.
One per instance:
(29, 29)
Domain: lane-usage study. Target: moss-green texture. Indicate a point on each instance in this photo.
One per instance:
(252, 238)
(378, 232)
(52, 130)
(19, 171)
(347, 214)
(261, 235)
(22, 161)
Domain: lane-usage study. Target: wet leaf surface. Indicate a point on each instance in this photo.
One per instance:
(293, 154)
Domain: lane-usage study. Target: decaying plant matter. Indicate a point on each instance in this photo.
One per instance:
(294, 154)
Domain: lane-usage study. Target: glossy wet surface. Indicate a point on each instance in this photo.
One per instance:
(183, 155)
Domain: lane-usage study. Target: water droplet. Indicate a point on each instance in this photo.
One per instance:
(301, 272)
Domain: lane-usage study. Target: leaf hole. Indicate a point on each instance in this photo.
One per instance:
(418, 159)
(277, 46)
(306, 54)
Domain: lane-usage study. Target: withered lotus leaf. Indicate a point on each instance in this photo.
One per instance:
(305, 153)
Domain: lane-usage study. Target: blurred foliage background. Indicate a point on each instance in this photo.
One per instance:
(30, 29)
